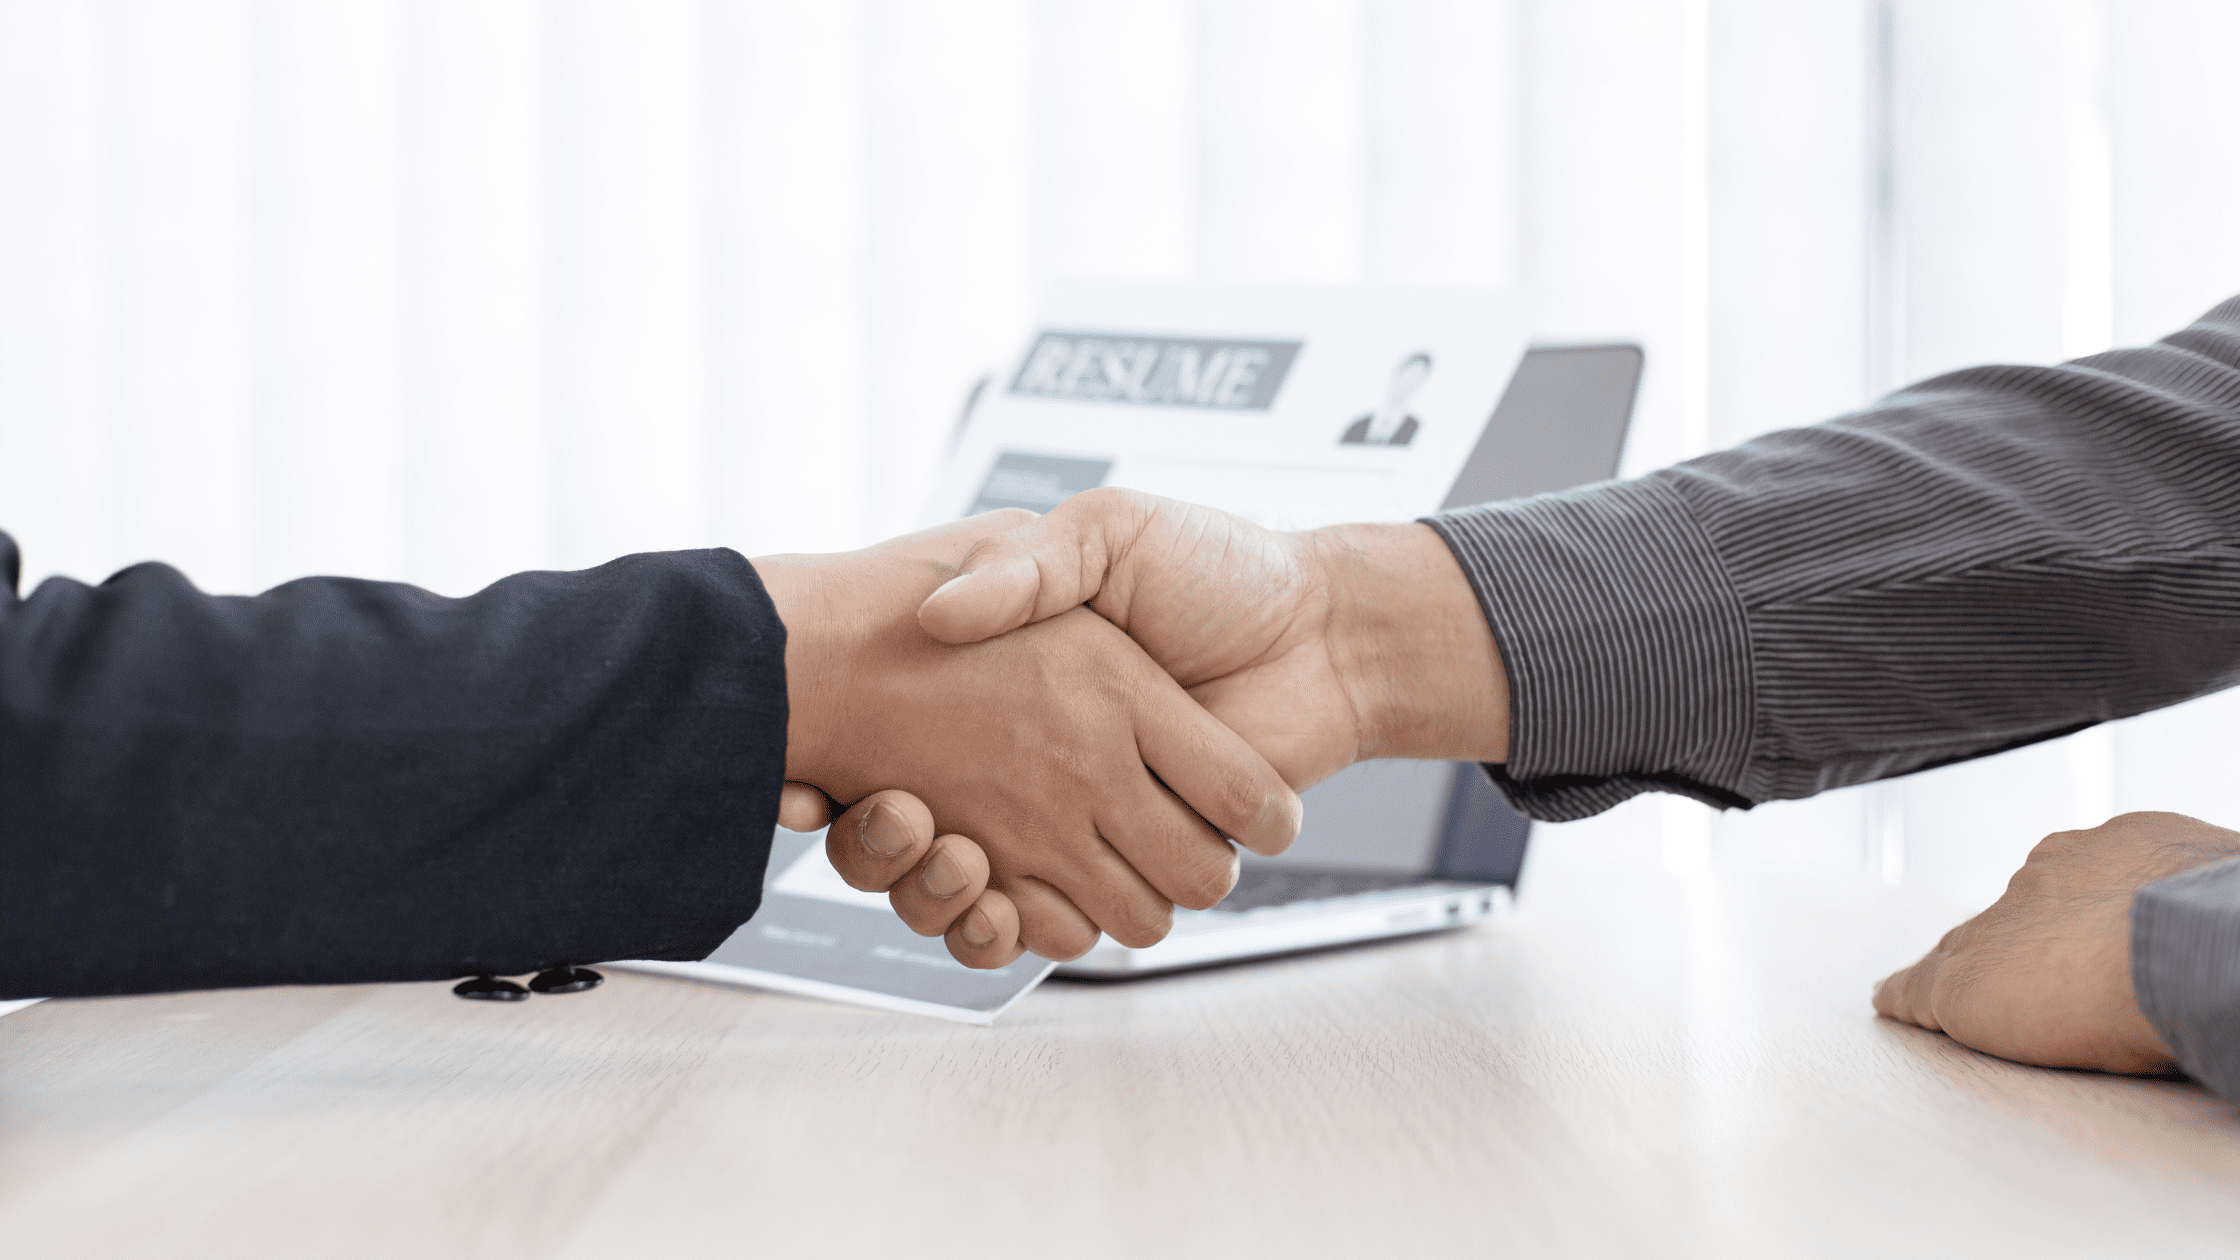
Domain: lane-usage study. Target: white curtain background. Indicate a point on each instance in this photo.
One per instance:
(436, 290)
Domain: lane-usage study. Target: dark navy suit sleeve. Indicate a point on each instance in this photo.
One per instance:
(341, 781)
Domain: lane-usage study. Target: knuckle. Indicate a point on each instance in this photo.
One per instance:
(1101, 499)
(2144, 818)
(999, 521)
(1106, 508)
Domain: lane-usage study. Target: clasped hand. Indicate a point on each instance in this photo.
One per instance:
(1096, 792)
(1120, 659)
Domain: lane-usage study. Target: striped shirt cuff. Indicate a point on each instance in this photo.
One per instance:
(2185, 968)
(1625, 643)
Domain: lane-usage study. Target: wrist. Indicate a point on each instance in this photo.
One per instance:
(851, 616)
(799, 592)
(1411, 645)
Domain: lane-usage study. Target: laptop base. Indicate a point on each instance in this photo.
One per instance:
(1265, 924)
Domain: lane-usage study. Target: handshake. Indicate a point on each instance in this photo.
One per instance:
(1052, 727)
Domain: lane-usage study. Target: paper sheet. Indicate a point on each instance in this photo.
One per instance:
(817, 937)
(1290, 406)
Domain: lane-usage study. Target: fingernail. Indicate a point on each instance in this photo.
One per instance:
(976, 930)
(884, 832)
(943, 877)
(952, 583)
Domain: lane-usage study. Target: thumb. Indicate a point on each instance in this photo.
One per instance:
(803, 808)
(1040, 569)
(1000, 589)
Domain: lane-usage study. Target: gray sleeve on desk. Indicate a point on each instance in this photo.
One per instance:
(1981, 561)
(2185, 965)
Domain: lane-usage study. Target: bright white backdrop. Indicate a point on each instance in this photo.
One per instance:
(439, 289)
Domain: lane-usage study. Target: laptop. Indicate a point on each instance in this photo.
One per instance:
(1397, 848)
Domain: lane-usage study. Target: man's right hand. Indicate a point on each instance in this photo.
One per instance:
(1320, 648)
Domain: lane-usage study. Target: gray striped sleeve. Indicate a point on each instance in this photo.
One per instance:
(1988, 559)
(2185, 967)
(1627, 647)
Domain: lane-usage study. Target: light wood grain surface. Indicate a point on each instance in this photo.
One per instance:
(1635, 1064)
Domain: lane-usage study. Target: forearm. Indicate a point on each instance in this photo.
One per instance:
(345, 781)
(2185, 968)
(1992, 558)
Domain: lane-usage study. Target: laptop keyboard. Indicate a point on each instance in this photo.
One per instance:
(1267, 887)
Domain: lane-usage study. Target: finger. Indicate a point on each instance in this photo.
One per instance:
(942, 887)
(803, 808)
(1889, 993)
(1905, 996)
(986, 935)
(1109, 892)
(1216, 773)
(1049, 924)
(1183, 859)
(880, 840)
(1000, 590)
(1038, 570)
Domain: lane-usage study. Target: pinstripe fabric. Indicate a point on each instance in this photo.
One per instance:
(1990, 558)
(2185, 967)
(1631, 668)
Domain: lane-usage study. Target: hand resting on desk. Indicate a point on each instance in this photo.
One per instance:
(2044, 975)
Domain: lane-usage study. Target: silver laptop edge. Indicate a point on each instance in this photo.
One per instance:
(1291, 929)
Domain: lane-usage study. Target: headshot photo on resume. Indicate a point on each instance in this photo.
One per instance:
(1390, 424)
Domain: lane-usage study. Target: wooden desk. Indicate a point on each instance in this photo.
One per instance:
(1634, 1065)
